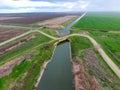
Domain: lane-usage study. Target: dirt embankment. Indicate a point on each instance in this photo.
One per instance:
(12, 46)
(56, 23)
(82, 80)
(7, 67)
(8, 18)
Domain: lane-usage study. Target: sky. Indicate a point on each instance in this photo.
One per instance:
(21, 6)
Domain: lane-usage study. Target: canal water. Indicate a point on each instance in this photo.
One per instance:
(66, 30)
(58, 74)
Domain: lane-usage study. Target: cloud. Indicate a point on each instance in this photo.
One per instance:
(33, 6)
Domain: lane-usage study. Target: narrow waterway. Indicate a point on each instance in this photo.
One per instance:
(66, 30)
(58, 73)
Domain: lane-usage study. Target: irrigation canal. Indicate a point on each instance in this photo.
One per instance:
(58, 73)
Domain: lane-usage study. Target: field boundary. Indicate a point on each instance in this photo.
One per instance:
(32, 31)
(107, 59)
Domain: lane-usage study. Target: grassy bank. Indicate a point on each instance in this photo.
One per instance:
(22, 49)
(26, 47)
(24, 75)
(50, 32)
(93, 63)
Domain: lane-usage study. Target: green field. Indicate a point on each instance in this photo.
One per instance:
(100, 21)
(104, 28)
(110, 43)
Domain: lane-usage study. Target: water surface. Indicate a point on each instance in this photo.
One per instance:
(58, 74)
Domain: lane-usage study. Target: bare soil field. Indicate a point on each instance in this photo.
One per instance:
(96, 67)
(27, 19)
(56, 23)
(6, 33)
(8, 18)
(58, 20)
(82, 80)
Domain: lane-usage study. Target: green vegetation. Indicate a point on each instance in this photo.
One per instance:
(79, 44)
(29, 46)
(110, 43)
(25, 75)
(99, 21)
(68, 22)
(97, 67)
(50, 32)
(23, 48)
(104, 28)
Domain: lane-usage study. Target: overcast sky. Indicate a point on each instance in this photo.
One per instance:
(17, 6)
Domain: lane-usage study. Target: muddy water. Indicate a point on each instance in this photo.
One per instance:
(58, 74)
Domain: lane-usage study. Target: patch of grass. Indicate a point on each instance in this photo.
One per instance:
(50, 32)
(79, 43)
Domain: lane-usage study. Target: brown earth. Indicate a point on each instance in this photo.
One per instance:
(8, 18)
(54, 26)
(58, 20)
(12, 46)
(96, 67)
(6, 33)
(6, 69)
(56, 23)
(28, 19)
(82, 80)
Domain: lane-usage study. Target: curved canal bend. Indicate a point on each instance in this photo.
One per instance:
(58, 73)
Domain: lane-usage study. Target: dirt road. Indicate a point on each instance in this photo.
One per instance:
(5, 42)
(97, 46)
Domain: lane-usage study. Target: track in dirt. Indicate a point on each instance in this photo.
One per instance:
(6, 33)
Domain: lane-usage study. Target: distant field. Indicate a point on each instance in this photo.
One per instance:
(29, 18)
(100, 21)
(6, 33)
